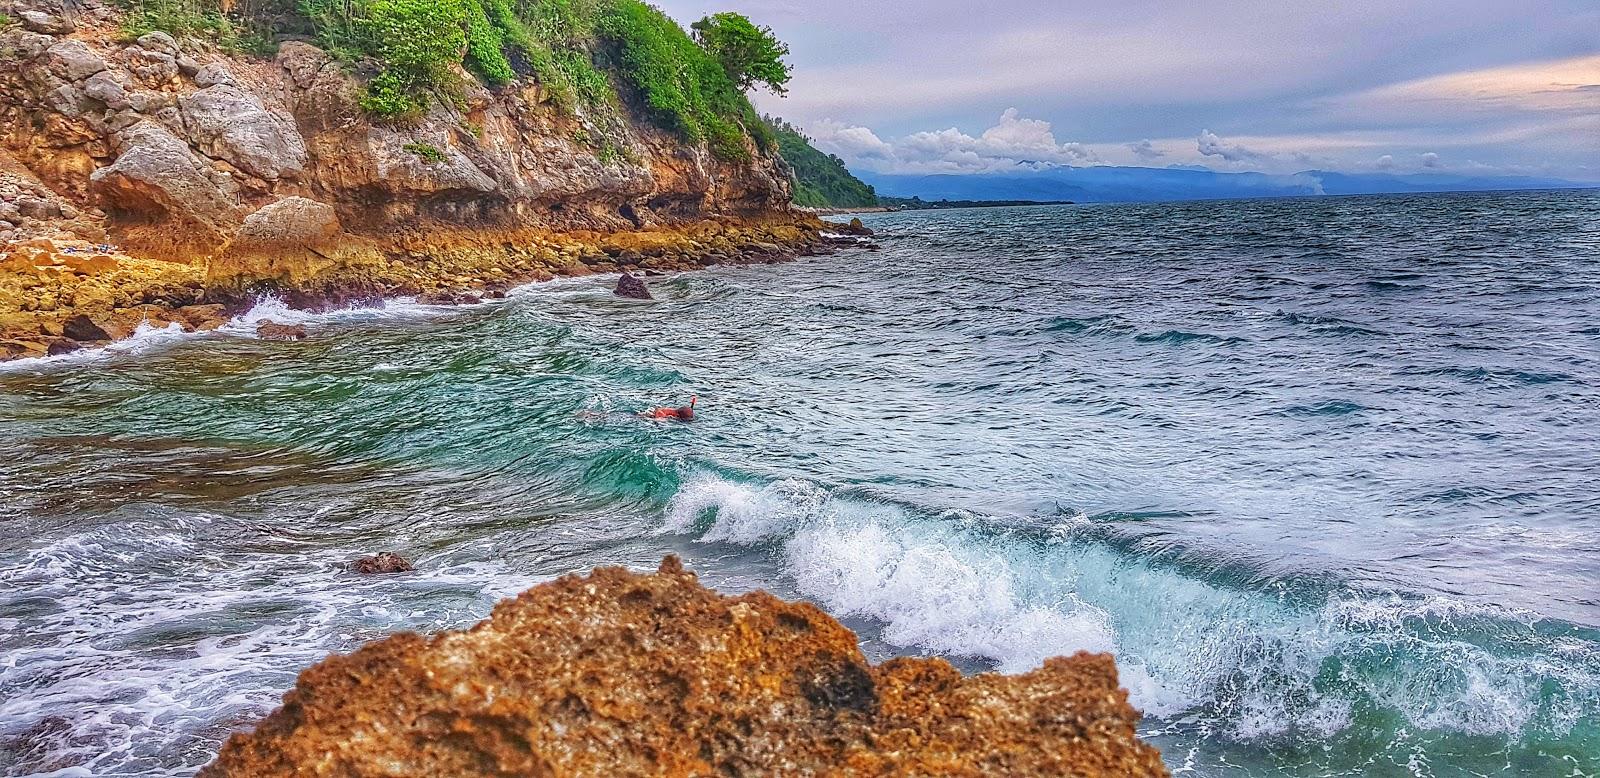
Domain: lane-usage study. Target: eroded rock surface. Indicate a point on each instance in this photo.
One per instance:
(213, 178)
(620, 674)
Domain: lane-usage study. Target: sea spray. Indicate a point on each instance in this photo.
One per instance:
(1258, 661)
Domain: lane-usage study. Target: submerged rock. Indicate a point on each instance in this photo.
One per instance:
(383, 562)
(630, 286)
(271, 330)
(625, 674)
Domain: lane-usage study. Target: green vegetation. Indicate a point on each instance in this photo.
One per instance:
(6, 20)
(820, 180)
(427, 151)
(750, 55)
(588, 56)
(189, 17)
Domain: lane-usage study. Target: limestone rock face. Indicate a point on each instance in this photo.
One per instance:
(157, 176)
(620, 674)
(232, 125)
(80, 108)
(290, 222)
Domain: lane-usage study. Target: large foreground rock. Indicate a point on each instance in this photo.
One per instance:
(620, 674)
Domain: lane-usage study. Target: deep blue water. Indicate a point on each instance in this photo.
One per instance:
(1320, 472)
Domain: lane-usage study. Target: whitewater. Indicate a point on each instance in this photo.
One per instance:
(1318, 472)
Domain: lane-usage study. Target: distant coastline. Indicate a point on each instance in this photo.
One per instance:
(891, 204)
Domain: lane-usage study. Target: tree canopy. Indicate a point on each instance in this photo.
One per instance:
(751, 55)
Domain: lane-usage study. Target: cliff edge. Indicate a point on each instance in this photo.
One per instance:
(618, 673)
(145, 172)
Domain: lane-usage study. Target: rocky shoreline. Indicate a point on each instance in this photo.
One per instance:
(61, 295)
(162, 179)
(617, 673)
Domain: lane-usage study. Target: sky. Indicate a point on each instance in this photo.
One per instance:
(1502, 87)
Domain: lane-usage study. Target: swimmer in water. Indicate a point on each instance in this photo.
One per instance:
(686, 413)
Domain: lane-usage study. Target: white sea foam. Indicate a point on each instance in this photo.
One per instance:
(145, 338)
(108, 679)
(1257, 663)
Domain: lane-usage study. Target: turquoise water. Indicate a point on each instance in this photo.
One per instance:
(1320, 473)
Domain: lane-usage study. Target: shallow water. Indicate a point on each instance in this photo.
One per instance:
(1319, 472)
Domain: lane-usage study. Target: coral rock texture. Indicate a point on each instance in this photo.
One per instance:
(618, 674)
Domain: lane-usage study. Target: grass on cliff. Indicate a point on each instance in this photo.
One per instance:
(820, 180)
(235, 33)
(587, 56)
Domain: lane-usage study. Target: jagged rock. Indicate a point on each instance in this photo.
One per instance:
(45, 24)
(302, 61)
(292, 221)
(153, 68)
(621, 674)
(157, 175)
(233, 125)
(212, 75)
(25, 46)
(82, 328)
(271, 330)
(382, 562)
(158, 41)
(630, 286)
(73, 60)
(105, 87)
(69, 101)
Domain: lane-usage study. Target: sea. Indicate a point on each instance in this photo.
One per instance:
(1323, 474)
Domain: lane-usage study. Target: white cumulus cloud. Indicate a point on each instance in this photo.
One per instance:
(1208, 144)
(1014, 141)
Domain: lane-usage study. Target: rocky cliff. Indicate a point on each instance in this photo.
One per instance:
(622, 674)
(195, 177)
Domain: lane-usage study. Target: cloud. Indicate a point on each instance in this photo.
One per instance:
(1384, 162)
(1145, 150)
(1015, 141)
(1208, 144)
(854, 143)
(1430, 160)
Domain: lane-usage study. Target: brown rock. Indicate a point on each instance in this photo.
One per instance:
(383, 562)
(620, 674)
(81, 327)
(90, 266)
(630, 286)
(59, 346)
(12, 349)
(204, 317)
(271, 330)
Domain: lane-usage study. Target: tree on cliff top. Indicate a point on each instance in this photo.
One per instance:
(751, 55)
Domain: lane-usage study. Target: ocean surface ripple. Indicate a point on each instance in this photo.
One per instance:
(1321, 473)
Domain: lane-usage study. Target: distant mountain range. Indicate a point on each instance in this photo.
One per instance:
(1142, 184)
